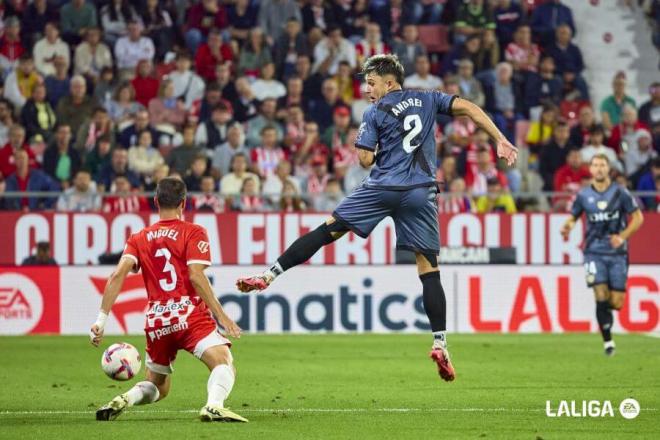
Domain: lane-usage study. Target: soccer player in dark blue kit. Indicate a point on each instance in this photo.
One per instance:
(607, 207)
(396, 137)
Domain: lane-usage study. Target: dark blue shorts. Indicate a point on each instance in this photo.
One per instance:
(414, 211)
(611, 270)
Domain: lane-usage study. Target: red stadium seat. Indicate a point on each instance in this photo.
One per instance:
(435, 37)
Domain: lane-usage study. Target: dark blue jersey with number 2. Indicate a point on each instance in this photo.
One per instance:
(401, 128)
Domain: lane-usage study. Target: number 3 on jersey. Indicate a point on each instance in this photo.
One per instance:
(412, 124)
(167, 286)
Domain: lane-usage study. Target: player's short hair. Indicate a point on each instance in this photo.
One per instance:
(382, 65)
(600, 156)
(170, 192)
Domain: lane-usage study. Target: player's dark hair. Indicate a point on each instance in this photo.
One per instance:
(170, 192)
(382, 65)
(600, 156)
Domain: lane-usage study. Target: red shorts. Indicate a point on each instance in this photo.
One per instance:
(194, 330)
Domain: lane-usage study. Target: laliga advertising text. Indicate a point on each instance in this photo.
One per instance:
(628, 408)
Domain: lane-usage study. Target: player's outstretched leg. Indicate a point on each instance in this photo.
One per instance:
(604, 317)
(153, 389)
(300, 251)
(221, 380)
(435, 305)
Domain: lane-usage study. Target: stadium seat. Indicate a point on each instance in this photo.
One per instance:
(435, 37)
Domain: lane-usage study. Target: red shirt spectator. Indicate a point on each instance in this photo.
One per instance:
(569, 178)
(206, 15)
(10, 44)
(123, 204)
(145, 84)
(627, 127)
(16, 141)
(265, 159)
(211, 54)
(477, 179)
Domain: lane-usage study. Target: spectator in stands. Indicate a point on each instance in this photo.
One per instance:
(310, 147)
(568, 179)
(122, 199)
(104, 85)
(231, 183)
(470, 87)
(145, 83)
(6, 119)
(508, 16)
(625, 130)
(143, 158)
(11, 48)
(202, 17)
(166, 109)
(639, 154)
(151, 183)
(254, 55)
(447, 171)
(74, 109)
(242, 16)
(246, 106)
(92, 56)
(522, 52)
(235, 143)
(496, 200)
(353, 18)
(319, 177)
(547, 16)
(158, 26)
(266, 86)
(123, 106)
(347, 84)
(331, 50)
(467, 50)
(473, 17)
(187, 84)
(273, 15)
(82, 196)
(197, 170)
(268, 154)
(568, 60)
(647, 182)
(485, 169)
(61, 160)
(59, 84)
(294, 129)
(409, 48)
(37, 116)
(459, 132)
(211, 54)
(457, 201)
(129, 136)
(180, 158)
(312, 82)
(41, 257)
(344, 155)
(210, 134)
(543, 88)
(249, 199)
(422, 78)
(371, 44)
(131, 49)
(580, 131)
(35, 16)
(316, 14)
(98, 126)
(649, 112)
(46, 49)
(75, 18)
(267, 117)
(20, 83)
(118, 166)
(501, 101)
(287, 47)
(336, 135)
(596, 146)
(290, 200)
(330, 198)
(99, 157)
(208, 200)
(321, 110)
(294, 95)
(274, 184)
(487, 57)
(612, 106)
(355, 175)
(28, 179)
(15, 142)
(541, 131)
(553, 154)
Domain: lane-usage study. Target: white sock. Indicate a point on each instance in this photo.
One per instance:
(274, 271)
(142, 393)
(220, 384)
(440, 339)
(609, 344)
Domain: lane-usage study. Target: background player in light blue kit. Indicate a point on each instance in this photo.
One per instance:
(396, 136)
(607, 206)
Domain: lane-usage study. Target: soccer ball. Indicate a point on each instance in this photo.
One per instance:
(121, 361)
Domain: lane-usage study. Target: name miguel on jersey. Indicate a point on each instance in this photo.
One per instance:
(401, 106)
(167, 233)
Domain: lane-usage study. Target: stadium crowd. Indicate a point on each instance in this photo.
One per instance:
(256, 103)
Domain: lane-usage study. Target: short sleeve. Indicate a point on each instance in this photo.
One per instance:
(367, 137)
(443, 102)
(577, 209)
(131, 252)
(198, 248)
(628, 202)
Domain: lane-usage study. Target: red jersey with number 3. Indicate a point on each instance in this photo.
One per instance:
(163, 251)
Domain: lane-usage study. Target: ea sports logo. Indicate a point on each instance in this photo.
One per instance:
(629, 408)
(21, 304)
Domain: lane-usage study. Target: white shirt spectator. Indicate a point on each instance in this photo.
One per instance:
(271, 88)
(187, 85)
(85, 61)
(273, 187)
(590, 151)
(44, 52)
(430, 82)
(346, 52)
(12, 92)
(74, 200)
(144, 160)
(231, 184)
(128, 53)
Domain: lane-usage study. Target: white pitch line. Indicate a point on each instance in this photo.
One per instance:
(294, 410)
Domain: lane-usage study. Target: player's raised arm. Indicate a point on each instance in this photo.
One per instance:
(203, 288)
(112, 288)
(505, 150)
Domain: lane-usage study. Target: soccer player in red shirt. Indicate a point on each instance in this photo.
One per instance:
(173, 255)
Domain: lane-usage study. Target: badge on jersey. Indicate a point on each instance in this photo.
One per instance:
(602, 204)
(203, 246)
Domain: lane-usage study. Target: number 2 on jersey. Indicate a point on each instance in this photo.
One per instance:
(167, 286)
(412, 124)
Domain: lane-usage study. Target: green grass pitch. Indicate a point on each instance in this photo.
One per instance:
(343, 387)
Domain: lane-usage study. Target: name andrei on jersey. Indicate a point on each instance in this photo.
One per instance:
(410, 102)
(168, 233)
